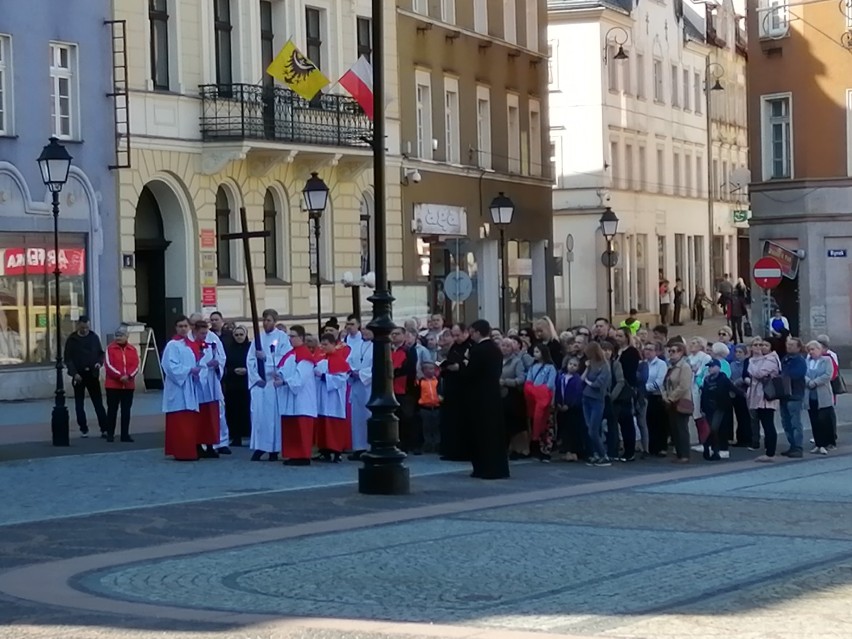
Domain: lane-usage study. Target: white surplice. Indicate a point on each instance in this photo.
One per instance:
(224, 433)
(331, 391)
(360, 360)
(299, 393)
(210, 379)
(265, 412)
(179, 388)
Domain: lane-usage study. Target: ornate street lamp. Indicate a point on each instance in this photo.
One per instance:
(502, 211)
(620, 38)
(315, 195)
(609, 229)
(54, 163)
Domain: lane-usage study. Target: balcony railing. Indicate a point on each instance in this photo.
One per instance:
(257, 112)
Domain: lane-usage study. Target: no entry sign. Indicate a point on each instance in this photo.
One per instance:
(767, 272)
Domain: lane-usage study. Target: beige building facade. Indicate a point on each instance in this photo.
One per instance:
(210, 133)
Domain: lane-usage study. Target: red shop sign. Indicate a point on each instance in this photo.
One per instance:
(39, 261)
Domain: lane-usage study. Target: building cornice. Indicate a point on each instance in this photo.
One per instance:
(798, 184)
(455, 29)
(459, 170)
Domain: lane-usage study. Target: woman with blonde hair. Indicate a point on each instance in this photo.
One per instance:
(762, 367)
(698, 358)
(547, 337)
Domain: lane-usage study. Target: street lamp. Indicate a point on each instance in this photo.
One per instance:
(384, 471)
(502, 211)
(315, 195)
(609, 228)
(713, 72)
(55, 162)
(620, 38)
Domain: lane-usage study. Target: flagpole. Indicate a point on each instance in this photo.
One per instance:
(384, 471)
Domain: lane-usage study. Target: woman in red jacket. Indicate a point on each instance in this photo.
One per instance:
(122, 365)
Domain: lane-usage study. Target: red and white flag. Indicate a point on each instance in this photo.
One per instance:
(359, 82)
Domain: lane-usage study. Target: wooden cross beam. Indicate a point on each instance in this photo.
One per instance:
(245, 235)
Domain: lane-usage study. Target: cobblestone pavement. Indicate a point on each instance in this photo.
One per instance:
(634, 551)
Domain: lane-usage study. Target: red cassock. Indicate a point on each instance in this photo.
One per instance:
(297, 431)
(208, 423)
(182, 434)
(335, 433)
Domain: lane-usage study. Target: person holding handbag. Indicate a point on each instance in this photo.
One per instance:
(762, 367)
(677, 396)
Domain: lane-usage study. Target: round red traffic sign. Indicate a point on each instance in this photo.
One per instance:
(767, 272)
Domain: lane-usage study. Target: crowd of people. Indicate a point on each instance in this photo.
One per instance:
(596, 394)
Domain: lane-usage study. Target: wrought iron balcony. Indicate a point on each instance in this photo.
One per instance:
(257, 112)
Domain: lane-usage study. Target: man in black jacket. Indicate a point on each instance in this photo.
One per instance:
(84, 357)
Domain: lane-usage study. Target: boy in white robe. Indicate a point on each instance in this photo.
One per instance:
(180, 403)
(266, 351)
(360, 383)
(298, 393)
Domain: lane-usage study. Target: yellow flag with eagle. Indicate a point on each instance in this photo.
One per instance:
(292, 68)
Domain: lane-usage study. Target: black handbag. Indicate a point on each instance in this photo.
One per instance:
(838, 385)
(777, 388)
(748, 331)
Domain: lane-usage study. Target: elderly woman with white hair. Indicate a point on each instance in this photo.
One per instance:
(122, 366)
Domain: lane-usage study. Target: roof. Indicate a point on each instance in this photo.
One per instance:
(625, 6)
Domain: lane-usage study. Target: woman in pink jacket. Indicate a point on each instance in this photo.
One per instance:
(761, 368)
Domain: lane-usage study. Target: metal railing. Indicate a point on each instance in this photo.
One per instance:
(257, 112)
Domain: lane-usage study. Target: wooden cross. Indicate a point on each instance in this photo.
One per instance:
(245, 235)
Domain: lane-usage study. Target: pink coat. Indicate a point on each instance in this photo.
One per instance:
(759, 369)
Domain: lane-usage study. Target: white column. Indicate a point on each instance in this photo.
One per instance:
(488, 285)
(539, 252)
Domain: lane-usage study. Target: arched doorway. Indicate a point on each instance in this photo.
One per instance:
(151, 245)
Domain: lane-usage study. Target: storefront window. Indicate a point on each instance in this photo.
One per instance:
(27, 294)
(520, 283)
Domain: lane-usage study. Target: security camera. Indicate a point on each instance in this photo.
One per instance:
(412, 176)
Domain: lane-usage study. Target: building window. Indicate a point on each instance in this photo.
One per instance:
(27, 302)
(270, 243)
(423, 102)
(725, 175)
(642, 272)
(626, 78)
(223, 225)
(448, 11)
(628, 166)
(510, 21)
(365, 218)
(555, 160)
(715, 185)
(313, 35)
(658, 81)
(480, 16)
(364, 34)
(640, 76)
(535, 138)
(5, 85)
(223, 28)
(774, 18)
(552, 65)
(675, 82)
(614, 166)
(420, 6)
(777, 138)
(687, 174)
(676, 172)
(612, 67)
(661, 170)
(267, 40)
(513, 131)
(483, 127)
(452, 153)
(532, 24)
(686, 94)
(158, 16)
(643, 169)
(63, 99)
(699, 176)
(697, 88)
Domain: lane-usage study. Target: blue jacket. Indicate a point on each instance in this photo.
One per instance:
(796, 368)
(569, 390)
(542, 375)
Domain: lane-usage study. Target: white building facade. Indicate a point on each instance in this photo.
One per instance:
(629, 130)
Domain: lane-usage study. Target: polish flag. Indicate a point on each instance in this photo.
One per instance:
(359, 82)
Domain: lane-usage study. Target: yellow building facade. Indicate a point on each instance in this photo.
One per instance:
(209, 134)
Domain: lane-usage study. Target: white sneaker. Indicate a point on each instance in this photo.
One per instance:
(698, 448)
(813, 441)
(725, 454)
(822, 451)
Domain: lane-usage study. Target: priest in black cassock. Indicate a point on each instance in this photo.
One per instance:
(487, 430)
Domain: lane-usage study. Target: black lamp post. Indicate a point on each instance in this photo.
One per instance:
(384, 471)
(502, 211)
(609, 228)
(315, 195)
(55, 162)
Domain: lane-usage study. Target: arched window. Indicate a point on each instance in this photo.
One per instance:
(271, 259)
(223, 225)
(366, 220)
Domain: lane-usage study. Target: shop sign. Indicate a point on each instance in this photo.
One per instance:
(787, 258)
(208, 238)
(440, 219)
(741, 216)
(39, 261)
(208, 296)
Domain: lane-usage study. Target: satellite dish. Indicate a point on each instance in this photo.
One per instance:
(740, 178)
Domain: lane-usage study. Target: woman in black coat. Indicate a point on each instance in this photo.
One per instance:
(235, 387)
